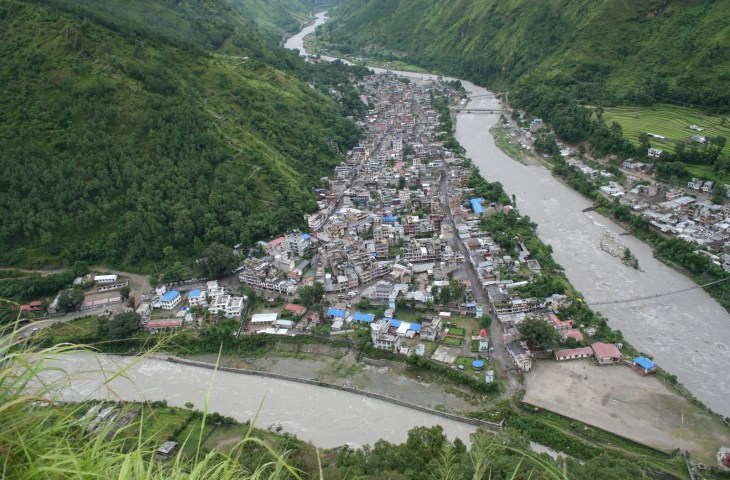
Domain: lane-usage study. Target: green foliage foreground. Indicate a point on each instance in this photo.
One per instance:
(42, 437)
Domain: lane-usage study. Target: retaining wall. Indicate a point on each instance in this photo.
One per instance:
(495, 427)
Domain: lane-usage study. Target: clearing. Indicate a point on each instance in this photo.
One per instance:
(671, 121)
(619, 400)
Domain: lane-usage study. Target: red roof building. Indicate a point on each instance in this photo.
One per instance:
(606, 353)
(572, 333)
(177, 323)
(295, 309)
(573, 353)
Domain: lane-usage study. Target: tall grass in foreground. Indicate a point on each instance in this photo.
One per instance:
(44, 438)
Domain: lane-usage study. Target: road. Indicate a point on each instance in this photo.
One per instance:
(495, 331)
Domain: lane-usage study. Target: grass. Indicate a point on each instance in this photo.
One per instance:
(503, 141)
(706, 172)
(457, 342)
(457, 331)
(81, 330)
(671, 121)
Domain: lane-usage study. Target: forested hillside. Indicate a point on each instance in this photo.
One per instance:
(139, 130)
(608, 51)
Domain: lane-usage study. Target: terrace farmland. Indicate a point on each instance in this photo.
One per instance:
(671, 121)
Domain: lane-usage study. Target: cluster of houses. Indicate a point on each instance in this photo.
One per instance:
(215, 298)
(672, 211)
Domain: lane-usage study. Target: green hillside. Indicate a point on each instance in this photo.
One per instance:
(606, 52)
(130, 127)
(275, 18)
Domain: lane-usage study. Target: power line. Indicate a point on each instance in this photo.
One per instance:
(658, 295)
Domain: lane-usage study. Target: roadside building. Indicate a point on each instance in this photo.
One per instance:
(296, 310)
(105, 279)
(264, 318)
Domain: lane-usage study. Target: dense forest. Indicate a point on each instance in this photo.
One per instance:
(136, 132)
(557, 57)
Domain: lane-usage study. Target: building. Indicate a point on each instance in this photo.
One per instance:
(197, 298)
(606, 353)
(381, 336)
(170, 300)
(227, 305)
(644, 365)
(654, 152)
(296, 310)
(264, 318)
(431, 330)
(156, 325)
(105, 278)
(573, 353)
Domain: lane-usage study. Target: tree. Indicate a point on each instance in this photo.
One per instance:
(122, 325)
(216, 260)
(311, 294)
(69, 299)
(125, 291)
(538, 332)
(457, 290)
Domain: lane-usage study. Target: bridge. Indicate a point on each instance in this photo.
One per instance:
(481, 110)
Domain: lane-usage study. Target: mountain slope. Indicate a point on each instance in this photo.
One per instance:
(141, 125)
(608, 51)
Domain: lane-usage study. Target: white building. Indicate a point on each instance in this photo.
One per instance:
(170, 300)
(105, 279)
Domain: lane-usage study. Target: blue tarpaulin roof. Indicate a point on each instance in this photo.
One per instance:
(644, 362)
(306, 236)
(476, 205)
(333, 312)
(364, 317)
(170, 296)
(477, 364)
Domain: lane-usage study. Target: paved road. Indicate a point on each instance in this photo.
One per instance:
(480, 296)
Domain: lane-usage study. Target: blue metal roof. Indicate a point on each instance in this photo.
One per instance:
(333, 312)
(194, 293)
(390, 218)
(644, 362)
(416, 327)
(476, 205)
(395, 323)
(364, 317)
(170, 296)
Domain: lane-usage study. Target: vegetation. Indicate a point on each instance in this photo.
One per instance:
(139, 133)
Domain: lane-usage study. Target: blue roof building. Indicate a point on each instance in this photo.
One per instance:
(390, 219)
(644, 365)
(364, 317)
(333, 312)
(170, 296)
(476, 205)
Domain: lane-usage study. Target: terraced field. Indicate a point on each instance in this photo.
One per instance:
(671, 121)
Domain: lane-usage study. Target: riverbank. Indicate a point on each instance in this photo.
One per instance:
(662, 328)
(328, 417)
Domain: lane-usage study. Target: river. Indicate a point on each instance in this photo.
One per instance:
(687, 334)
(326, 417)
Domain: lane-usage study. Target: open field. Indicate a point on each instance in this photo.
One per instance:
(618, 400)
(671, 121)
